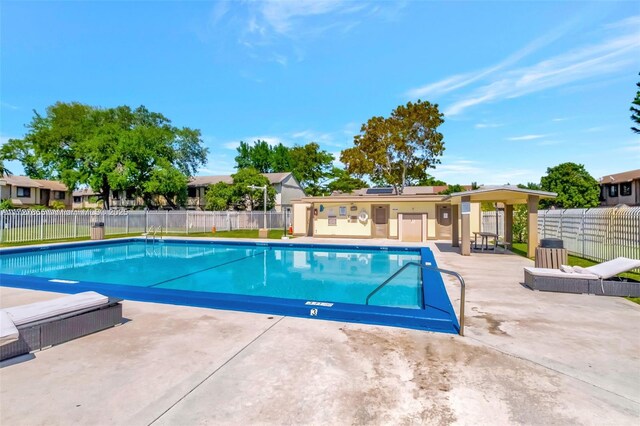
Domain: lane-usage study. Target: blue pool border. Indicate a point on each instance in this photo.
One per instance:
(438, 316)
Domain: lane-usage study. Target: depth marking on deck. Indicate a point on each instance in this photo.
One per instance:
(207, 269)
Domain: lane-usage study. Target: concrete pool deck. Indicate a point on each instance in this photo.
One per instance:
(528, 357)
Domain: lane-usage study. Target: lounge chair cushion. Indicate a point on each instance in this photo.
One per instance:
(612, 267)
(557, 273)
(26, 314)
(568, 269)
(8, 331)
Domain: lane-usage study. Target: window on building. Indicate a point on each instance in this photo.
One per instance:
(58, 195)
(603, 193)
(192, 192)
(625, 189)
(613, 190)
(130, 194)
(23, 192)
(115, 195)
(77, 199)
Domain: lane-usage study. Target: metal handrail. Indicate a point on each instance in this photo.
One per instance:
(429, 266)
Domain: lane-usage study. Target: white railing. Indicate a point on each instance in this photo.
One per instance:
(599, 234)
(41, 225)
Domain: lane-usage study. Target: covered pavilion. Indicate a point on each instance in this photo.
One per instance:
(509, 196)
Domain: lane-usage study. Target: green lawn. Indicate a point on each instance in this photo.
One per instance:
(521, 249)
(274, 234)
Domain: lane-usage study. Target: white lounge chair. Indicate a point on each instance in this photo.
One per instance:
(597, 279)
(31, 327)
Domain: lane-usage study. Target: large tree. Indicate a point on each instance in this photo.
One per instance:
(635, 110)
(575, 187)
(110, 149)
(238, 195)
(399, 148)
(343, 182)
(311, 166)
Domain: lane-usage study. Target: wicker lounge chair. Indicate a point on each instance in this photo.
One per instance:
(598, 279)
(28, 328)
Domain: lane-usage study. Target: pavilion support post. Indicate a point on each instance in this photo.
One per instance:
(508, 223)
(465, 250)
(455, 226)
(532, 224)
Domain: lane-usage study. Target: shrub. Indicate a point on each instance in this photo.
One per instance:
(6, 205)
(58, 205)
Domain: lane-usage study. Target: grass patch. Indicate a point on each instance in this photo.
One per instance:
(274, 234)
(521, 249)
(61, 240)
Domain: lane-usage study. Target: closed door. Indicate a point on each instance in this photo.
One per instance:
(380, 221)
(443, 227)
(411, 227)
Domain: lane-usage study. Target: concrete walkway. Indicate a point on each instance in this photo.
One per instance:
(528, 357)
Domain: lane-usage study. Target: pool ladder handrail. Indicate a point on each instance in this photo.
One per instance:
(430, 267)
(153, 230)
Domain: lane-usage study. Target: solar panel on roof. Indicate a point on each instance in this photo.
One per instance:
(378, 191)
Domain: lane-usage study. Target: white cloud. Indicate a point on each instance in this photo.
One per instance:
(487, 125)
(559, 119)
(526, 137)
(7, 105)
(499, 82)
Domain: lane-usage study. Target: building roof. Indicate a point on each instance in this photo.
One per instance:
(507, 194)
(621, 177)
(52, 185)
(27, 182)
(84, 192)
(407, 190)
(23, 181)
(274, 178)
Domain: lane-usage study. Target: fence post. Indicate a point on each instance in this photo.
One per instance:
(75, 225)
(186, 216)
(166, 220)
(228, 221)
(584, 212)
(2, 225)
(127, 224)
(41, 226)
(146, 221)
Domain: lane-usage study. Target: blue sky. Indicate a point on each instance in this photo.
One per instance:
(523, 85)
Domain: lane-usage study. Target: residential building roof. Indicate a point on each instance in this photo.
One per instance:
(23, 181)
(84, 192)
(274, 178)
(27, 182)
(621, 177)
(52, 185)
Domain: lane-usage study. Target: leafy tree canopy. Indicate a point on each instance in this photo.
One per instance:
(399, 148)
(635, 111)
(310, 165)
(429, 180)
(110, 149)
(344, 182)
(451, 189)
(575, 187)
(238, 195)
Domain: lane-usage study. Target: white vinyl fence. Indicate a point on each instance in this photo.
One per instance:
(41, 225)
(598, 234)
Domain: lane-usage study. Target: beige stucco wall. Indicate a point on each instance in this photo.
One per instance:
(345, 227)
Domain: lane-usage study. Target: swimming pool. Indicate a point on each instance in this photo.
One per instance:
(323, 281)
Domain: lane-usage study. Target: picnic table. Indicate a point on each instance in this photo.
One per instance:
(484, 240)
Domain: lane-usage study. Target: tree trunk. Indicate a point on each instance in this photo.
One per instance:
(105, 192)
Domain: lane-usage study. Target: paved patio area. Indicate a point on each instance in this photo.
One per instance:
(528, 357)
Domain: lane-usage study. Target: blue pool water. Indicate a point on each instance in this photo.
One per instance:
(330, 282)
(295, 273)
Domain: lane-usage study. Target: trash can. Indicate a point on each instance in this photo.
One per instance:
(97, 231)
(551, 253)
